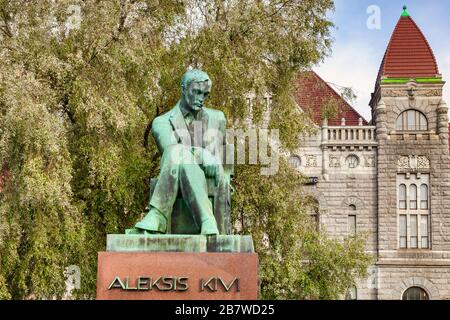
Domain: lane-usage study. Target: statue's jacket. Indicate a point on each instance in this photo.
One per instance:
(170, 128)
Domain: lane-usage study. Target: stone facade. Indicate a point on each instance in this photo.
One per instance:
(399, 185)
(401, 268)
(341, 189)
(371, 188)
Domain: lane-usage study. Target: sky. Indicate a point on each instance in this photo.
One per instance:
(360, 40)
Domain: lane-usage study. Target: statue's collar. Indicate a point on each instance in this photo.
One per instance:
(185, 112)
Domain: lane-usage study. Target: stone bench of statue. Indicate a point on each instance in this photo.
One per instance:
(192, 192)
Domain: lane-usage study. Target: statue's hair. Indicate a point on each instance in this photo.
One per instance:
(195, 75)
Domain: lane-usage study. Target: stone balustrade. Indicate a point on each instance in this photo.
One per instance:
(349, 135)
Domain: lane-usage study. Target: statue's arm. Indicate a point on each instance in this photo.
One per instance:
(210, 156)
(163, 134)
(222, 127)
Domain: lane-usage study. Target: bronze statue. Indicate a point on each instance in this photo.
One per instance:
(192, 179)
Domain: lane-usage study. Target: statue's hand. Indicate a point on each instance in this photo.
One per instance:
(210, 171)
(213, 168)
(216, 172)
(208, 159)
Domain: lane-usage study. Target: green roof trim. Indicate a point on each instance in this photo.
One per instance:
(429, 80)
(418, 80)
(405, 13)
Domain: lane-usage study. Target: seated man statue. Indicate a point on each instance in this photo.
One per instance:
(190, 138)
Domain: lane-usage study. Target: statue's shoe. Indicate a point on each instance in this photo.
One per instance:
(209, 227)
(134, 231)
(153, 222)
(140, 231)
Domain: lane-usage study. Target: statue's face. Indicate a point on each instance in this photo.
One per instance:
(195, 94)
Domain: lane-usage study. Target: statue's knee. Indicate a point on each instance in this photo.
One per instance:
(184, 168)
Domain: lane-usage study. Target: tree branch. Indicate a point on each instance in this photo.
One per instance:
(6, 27)
(115, 34)
(65, 108)
(148, 129)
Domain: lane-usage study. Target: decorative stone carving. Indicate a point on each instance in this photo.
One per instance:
(431, 93)
(423, 162)
(403, 162)
(352, 161)
(395, 93)
(334, 162)
(414, 92)
(369, 161)
(311, 161)
(413, 162)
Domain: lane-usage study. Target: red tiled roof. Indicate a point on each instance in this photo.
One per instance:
(313, 94)
(408, 54)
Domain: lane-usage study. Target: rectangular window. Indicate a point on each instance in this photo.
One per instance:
(413, 231)
(352, 225)
(413, 210)
(424, 231)
(423, 204)
(402, 222)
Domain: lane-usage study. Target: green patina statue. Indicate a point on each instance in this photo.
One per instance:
(192, 192)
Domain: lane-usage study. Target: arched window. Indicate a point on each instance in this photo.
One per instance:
(295, 161)
(413, 197)
(402, 197)
(415, 293)
(423, 197)
(351, 224)
(411, 120)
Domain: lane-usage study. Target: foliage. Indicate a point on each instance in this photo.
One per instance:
(330, 108)
(80, 83)
(298, 261)
(349, 95)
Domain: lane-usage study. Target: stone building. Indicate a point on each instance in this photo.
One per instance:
(388, 178)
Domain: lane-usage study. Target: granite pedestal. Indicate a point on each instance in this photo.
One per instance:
(178, 267)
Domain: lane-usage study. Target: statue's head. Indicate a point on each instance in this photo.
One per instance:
(195, 86)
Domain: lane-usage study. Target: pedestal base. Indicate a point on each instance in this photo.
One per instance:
(178, 243)
(195, 268)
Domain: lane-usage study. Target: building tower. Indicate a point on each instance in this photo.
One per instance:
(413, 171)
